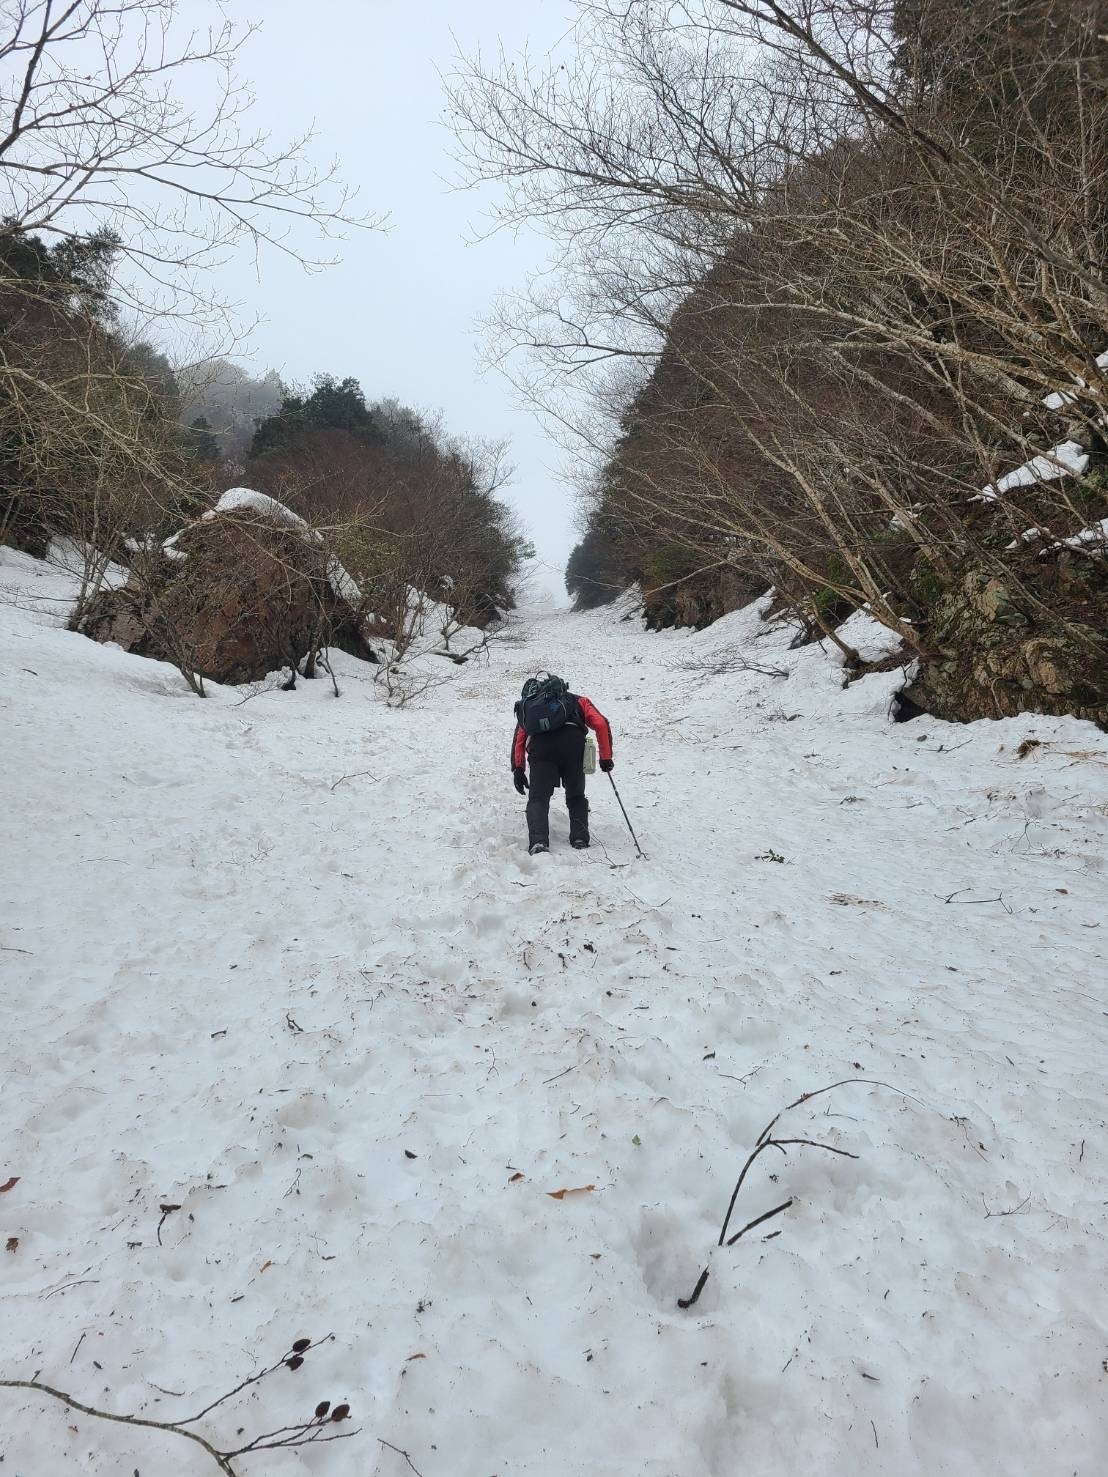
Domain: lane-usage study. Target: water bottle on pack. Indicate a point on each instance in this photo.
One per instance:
(590, 752)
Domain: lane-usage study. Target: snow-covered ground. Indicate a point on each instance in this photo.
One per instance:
(281, 960)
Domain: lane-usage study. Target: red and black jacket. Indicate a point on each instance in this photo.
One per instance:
(587, 715)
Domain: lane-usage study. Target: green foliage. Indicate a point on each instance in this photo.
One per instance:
(201, 442)
(1091, 492)
(143, 362)
(79, 270)
(595, 574)
(669, 562)
(90, 442)
(429, 498)
(332, 405)
(924, 585)
(826, 600)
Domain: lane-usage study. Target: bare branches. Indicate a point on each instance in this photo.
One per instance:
(221, 1459)
(99, 128)
(768, 1140)
(404, 1454)
(860, 249)
(769, 1214)
(727, 662)
(319, 1428)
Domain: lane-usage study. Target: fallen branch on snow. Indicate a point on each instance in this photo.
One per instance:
(765, 1141)
(725, 663)
(284, 1438)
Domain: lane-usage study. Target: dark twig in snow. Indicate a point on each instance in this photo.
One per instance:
(969, 901)
(404, 1454)
(77, 1282)
(166, 1210)
(765, 1141)
(129, 1420)
(762, 1145)
(361, 774)
(769, 1214)
(1014, 1210)
(254, 1378)
(697, 1290)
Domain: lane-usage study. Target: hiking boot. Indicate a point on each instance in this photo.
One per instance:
(536, 847)
(579, 843)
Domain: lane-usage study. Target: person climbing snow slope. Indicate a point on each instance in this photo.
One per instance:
(550, 733)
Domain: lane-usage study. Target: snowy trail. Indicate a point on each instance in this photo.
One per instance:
(285, 963)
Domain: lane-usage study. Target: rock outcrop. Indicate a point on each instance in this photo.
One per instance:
(243, 591)
(993, 657)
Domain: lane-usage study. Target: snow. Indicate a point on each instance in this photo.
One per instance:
(1067, 458)
(343, 583)
(1028, 536)
(1059, 399)
(1094, 537)
(148, 544)
(259, 950)
(72, 558)
(245, 499)
(171, 548)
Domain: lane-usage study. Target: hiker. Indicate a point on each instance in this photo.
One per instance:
(550, 733)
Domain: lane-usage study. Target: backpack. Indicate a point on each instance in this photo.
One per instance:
(545, 706)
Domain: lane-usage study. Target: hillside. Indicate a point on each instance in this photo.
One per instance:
(300, 1041)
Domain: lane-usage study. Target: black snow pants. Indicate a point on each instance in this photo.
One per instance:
(554, 757)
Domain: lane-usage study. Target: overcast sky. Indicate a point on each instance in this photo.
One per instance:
(400, 312)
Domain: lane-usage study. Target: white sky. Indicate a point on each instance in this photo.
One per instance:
(400, 312)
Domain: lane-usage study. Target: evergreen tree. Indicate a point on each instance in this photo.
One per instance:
(332, 405)
(201, 441)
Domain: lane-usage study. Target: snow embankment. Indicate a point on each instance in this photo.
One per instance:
(284, 966)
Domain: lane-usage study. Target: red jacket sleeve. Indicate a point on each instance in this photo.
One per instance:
(519, 748)
(599, 725)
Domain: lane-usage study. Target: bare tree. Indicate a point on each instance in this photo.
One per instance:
(96, 132)
(856, 250)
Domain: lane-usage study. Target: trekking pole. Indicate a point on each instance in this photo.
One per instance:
(627, 818)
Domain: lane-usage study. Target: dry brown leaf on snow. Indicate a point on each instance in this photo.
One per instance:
(561, 1194)
(517, 1176)
(12, 1244)
(264, 1265)
(9, 1184)
(414, 1356)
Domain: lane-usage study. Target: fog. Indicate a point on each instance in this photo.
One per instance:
(400, 310)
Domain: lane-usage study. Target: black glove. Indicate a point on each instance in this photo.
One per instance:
(607, 765)
(519, 779)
